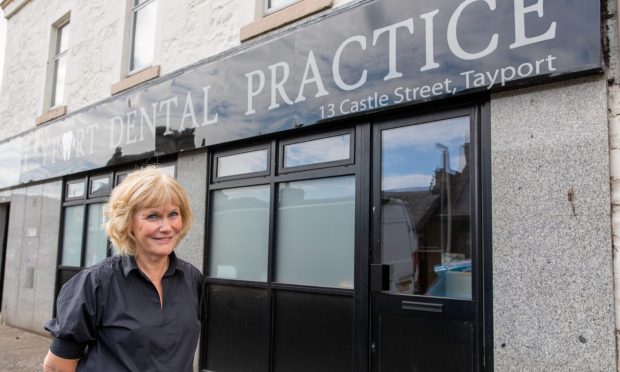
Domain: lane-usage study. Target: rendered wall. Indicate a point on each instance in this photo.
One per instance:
(192, 173)
(31, 256)
(553, 304)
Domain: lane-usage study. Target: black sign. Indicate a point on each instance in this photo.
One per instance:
(372, 56)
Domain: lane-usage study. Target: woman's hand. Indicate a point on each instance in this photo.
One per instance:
(53, 363)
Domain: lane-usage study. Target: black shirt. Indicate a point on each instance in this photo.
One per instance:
(109, 315)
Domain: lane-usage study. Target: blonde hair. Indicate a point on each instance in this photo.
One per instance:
(145, 188)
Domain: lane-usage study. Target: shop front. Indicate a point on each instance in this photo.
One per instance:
(348, 178)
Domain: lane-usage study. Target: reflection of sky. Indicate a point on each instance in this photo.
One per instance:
(247, 162)
(318, 151)
(410, 154)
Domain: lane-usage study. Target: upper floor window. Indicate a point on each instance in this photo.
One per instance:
(142, 40)
(272, 14)
(60, 46)
(273, 5)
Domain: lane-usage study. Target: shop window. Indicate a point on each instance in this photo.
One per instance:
(317, 152)
(142, 40)
(72, 236)
(240, 233)
(75, 189)
(246, 163)
(315, 232)
(281, 245)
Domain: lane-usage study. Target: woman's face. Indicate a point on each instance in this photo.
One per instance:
(157, 230)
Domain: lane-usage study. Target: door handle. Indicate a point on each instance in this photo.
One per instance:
(422, 306)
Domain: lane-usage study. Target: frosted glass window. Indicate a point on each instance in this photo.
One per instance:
(240, 233)
(96, 239)
(315, 232)
(72, 236)
(243, 163)
(318, 151)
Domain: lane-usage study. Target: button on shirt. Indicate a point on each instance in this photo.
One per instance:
(110, 316)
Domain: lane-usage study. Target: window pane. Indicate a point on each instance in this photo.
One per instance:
(72, 236)
(240, 233)
(143, 37)
(425, 208)
(96, 239)
(244, 163)
(318, 151)
(75, 190)
(60, 72)
(62, 44)
(100, 186)
(274, 4)
(315, 233)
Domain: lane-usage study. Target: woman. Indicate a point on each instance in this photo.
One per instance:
(139, 310)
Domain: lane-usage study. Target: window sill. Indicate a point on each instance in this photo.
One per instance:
(135, 79)
(282, 17)
(51, 114)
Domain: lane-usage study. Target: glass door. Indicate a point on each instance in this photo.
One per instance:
(424, 264)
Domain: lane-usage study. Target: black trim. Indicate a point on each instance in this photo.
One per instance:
(486, 233)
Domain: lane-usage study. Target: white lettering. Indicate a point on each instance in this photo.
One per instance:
(188, 112)
(208, 121)
(361, 40)
(131, 127)
(520, 11)
(391, 30)
(167, 103)
(430, 47)
(453, 41)
(144, 116)
(278, 86)
(116, 122)
(316, 78)
(251, 92)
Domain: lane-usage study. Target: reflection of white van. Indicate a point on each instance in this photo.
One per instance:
(399, 245)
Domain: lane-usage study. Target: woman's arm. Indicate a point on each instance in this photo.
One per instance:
(53, 363)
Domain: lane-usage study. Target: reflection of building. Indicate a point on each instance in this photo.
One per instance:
(526, 223)
(442, 227)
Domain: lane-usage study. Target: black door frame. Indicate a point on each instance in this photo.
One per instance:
(481, 219)
(3, 249)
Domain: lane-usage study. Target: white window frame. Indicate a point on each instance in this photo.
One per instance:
(133, 10)
(55, 56)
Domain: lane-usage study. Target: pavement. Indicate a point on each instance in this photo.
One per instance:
(21, 351)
